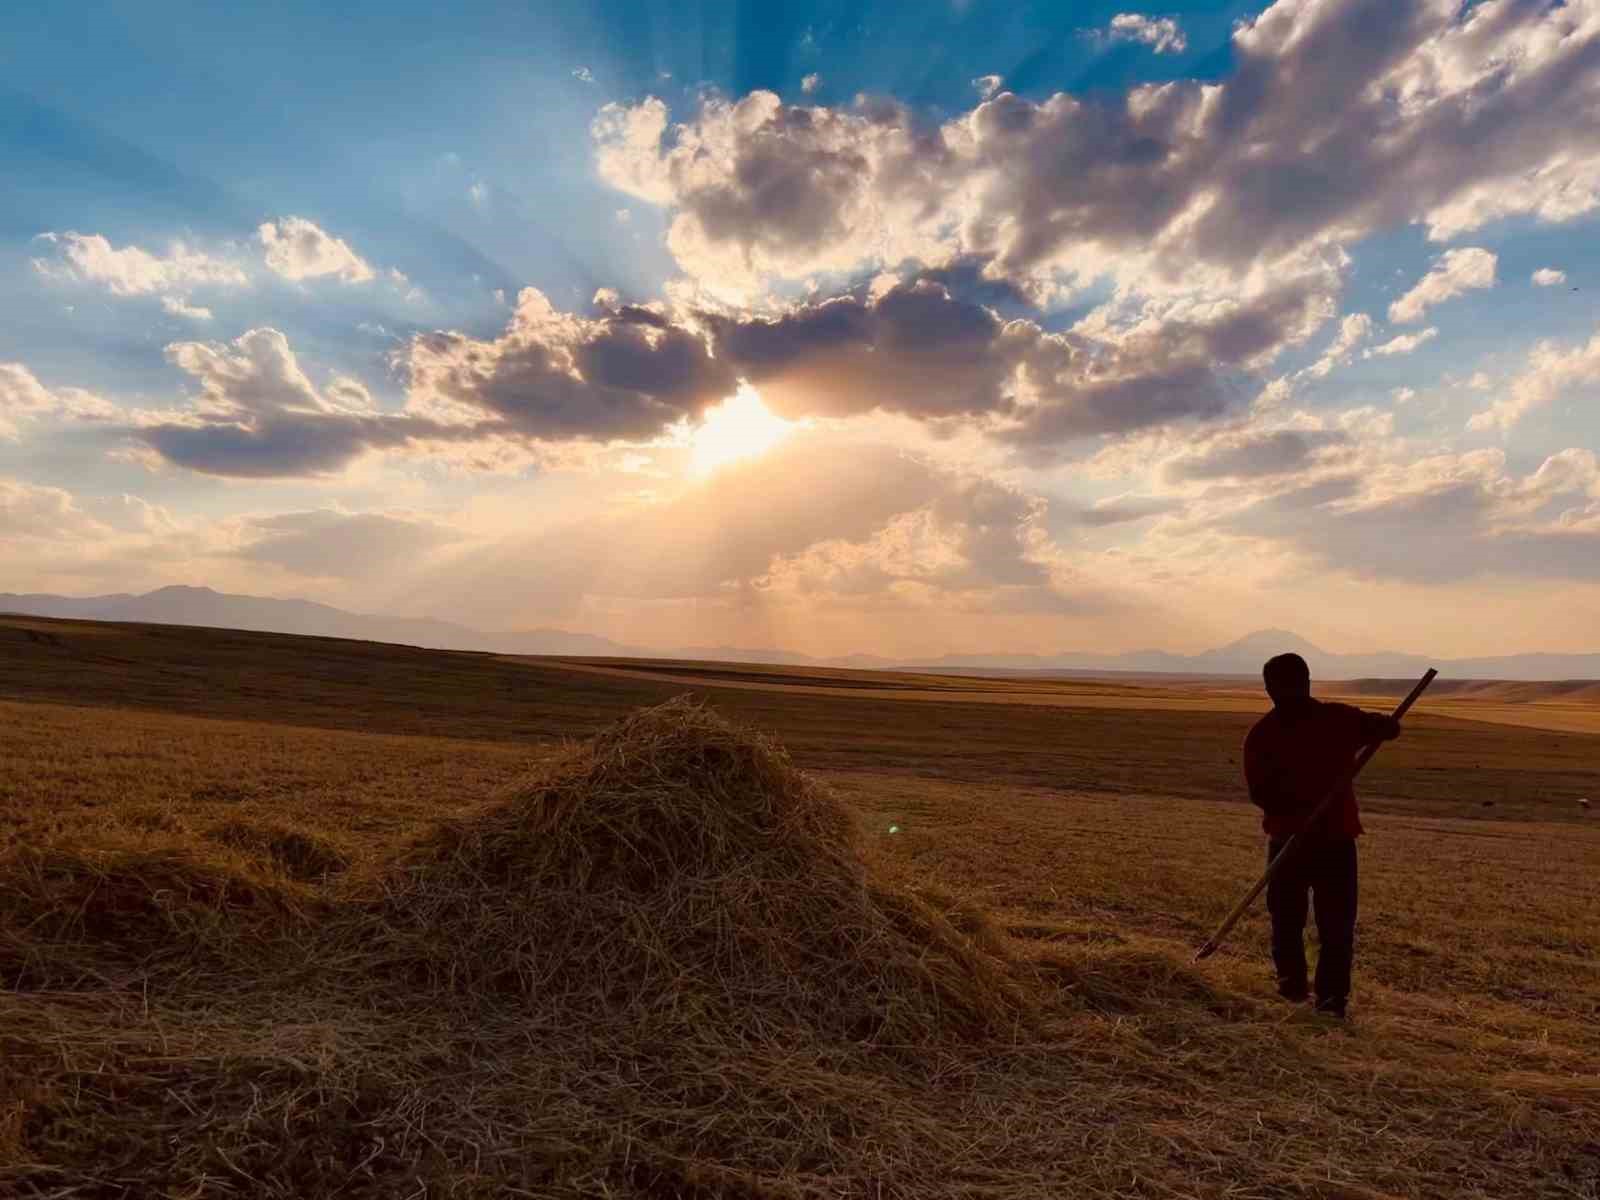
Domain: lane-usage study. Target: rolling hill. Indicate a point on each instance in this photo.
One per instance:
(202, 606)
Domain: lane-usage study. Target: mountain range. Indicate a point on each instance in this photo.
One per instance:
(205, 607)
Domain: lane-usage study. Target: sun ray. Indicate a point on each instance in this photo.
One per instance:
(738, 428)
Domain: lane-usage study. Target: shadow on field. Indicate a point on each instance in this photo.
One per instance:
(661, 968)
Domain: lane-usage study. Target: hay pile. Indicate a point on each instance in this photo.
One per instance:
(681, 872)
(89, 916)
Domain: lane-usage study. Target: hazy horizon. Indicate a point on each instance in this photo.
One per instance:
(908, 330)
(1261, 642)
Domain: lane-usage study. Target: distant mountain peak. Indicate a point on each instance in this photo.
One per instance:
(1268, 642)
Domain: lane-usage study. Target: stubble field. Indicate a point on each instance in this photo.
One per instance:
(257, 892)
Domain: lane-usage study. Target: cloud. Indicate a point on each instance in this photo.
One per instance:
(1250, 454)
(811, 83)
(1353, 330)
(1339, 118)
(1454, 274)
(1122, 510)
(330, 543)
(987, 85)
(1314, 492)
(628, 373)
(1548, 277)
(818, 520)
(1552, 369)
(132, 271)
(583, 74)
(259, 416)
(1405, 343)
(911, 347)
(47, 513)
(24, 400)
(1443, 517)
(1161, 34)
(179, 307)
(51, 539)
(917, 349)
(297, 249)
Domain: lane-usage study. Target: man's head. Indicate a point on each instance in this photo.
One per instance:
(1288, 678)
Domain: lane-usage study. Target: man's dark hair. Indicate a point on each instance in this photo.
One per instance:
(1287, 678)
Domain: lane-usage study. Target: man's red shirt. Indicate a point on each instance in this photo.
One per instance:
(1295, 754)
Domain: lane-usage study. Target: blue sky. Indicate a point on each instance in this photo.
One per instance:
(1083, 269)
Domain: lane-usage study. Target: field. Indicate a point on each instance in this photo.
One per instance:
(276, 915)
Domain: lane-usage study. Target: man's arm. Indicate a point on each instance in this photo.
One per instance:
(1267, 781)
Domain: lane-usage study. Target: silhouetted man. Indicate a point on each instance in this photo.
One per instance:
(1293, 757)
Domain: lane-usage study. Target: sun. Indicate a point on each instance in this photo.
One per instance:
(740, 427)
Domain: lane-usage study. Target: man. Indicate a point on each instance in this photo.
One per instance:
(1293, 757)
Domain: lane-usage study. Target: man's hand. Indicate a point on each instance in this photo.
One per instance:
(1378, 727)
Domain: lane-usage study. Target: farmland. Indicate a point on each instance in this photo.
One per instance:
(232, 900)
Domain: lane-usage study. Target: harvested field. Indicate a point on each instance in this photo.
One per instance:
(437, 925)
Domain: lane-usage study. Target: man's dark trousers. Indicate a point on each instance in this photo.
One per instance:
(1325, 867)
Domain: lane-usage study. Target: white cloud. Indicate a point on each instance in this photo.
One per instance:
(297, 249)
(1552, 369)
(132, 271)
(1454, 274)
(24, 400)
(1353, 330)
(583, 74)
(30, 511)
(1161, 34)
(1187, 184)
(987, 85)
(179, 307)
(811, 83)
(1404, 344)
(1403, 395)
(1548, 277)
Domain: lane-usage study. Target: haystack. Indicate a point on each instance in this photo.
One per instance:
(70, 914)
(678, 871)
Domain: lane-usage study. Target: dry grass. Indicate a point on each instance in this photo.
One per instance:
(264, 960)
(680, 874)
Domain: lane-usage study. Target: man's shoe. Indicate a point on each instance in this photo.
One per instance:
(1294, 992)
(1333, 1006)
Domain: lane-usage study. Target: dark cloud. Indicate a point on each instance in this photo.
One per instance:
(626, 374)
(918, 350)
(913, 348)
(259, 416)
(276, 447)
(1254, 454)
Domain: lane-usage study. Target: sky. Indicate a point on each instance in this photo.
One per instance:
(937, 326)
